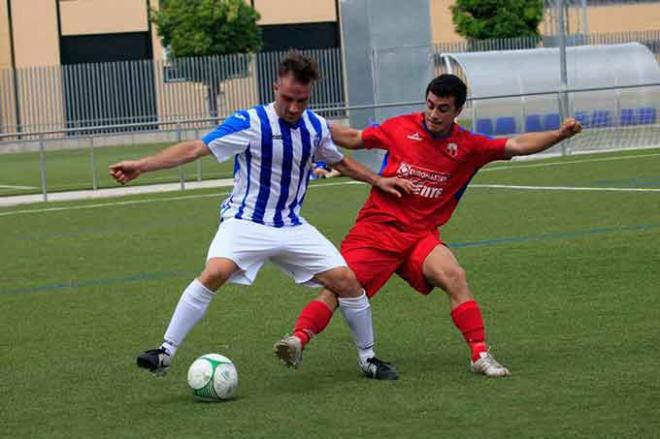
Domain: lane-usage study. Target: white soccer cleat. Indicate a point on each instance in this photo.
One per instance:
(489, 366)
(289, 350)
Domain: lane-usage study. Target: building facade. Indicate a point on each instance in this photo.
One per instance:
(52, 32)
(47, 40)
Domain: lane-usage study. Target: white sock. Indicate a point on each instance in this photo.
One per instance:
(357, 312)
(169, 348)
(191, 308)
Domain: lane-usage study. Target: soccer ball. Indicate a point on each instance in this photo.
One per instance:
(213, 377)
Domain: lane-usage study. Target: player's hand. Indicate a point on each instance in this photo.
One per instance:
(395, 186)
(569, 128)
(125, 171)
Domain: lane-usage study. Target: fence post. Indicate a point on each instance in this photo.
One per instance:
(563, 96)
(42, 168)
(181, 172)
(617, 108)
(92, 163)
(199, 161)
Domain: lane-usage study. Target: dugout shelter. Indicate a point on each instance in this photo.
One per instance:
(609, 68)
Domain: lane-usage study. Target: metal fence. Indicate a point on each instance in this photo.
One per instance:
(617, 2)
(51, 169)
(121, 96)
(650, 39)
(118, 94)
(147, 101)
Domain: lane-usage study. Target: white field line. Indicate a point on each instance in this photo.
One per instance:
(123, 191)
(152, 181)
(316, 186)
(563, 188)
(147, 201)
(113, 192)
(568, 162)
(118, 203)
(13, 186)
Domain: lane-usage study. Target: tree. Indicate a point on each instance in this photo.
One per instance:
(194, 28)
(484, 19)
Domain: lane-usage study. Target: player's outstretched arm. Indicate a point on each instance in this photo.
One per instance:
(392, 185)
(531, 143)
(175, 155)
(347, 137)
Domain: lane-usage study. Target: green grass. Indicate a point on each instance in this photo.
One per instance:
(568, 283)
(68, 170)
(72, 170)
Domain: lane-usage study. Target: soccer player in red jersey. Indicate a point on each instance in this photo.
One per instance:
(400, 235)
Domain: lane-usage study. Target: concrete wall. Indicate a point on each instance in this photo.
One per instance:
(35, 25)
(6, 107)
(623, 18)
(36, 41)
(442, 27)
(295, 11)
(5, 48)
(600, 19)
(158, 49)
(386, 60)
(103, 17)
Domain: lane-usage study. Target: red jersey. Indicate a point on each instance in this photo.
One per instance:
(439, 167)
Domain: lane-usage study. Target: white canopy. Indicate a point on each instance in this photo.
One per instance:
(538, 70)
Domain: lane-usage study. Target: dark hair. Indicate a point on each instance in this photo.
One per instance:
(447, 85)
(303, 68)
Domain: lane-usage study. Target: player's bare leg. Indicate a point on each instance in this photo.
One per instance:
(443, 270)
(191, 308)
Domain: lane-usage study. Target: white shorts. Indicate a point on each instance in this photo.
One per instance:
(299, 251)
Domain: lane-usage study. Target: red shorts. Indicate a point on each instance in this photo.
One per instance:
(375, 251)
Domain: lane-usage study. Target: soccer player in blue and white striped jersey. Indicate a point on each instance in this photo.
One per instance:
(273, 171)
(273, 147)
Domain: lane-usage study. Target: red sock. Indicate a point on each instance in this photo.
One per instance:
(467, 318)
(312, 320)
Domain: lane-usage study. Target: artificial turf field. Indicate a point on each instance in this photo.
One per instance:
(68, 170)
(569, 283)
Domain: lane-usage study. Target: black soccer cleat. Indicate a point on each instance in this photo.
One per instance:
(379, 370)
(156, 361)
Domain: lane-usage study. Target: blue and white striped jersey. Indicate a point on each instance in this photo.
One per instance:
(272, 162)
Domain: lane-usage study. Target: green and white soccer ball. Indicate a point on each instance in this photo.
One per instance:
(213, 377)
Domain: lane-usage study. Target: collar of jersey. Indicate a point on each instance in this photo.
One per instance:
(290, 125)
(441, 136)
